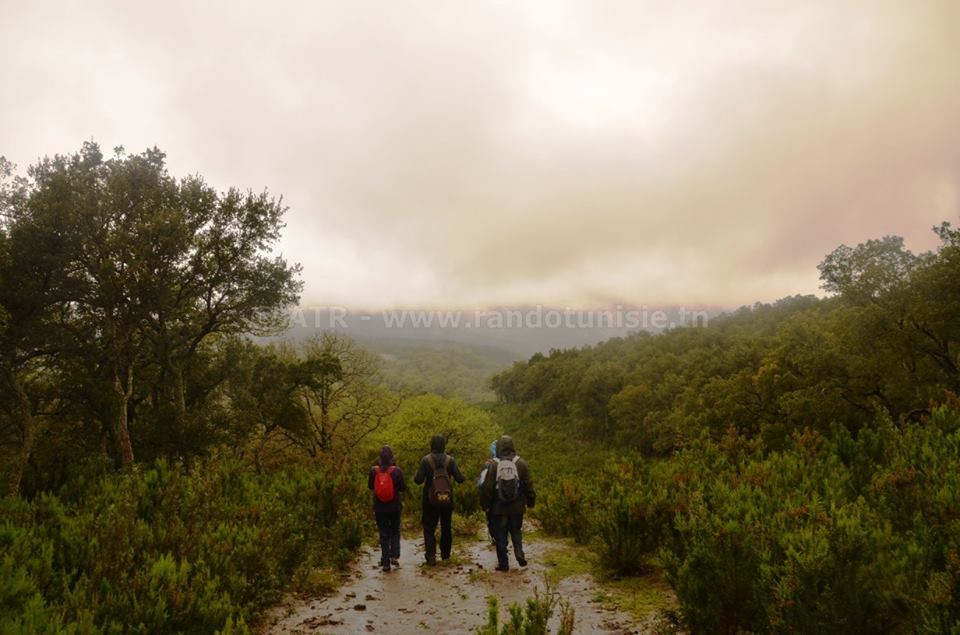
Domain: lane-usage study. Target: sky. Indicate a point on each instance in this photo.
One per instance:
(473, 154)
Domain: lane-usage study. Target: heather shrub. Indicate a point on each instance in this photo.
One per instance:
(567, 508)
(167, 550)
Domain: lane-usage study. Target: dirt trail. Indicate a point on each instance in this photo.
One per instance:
(448, 598)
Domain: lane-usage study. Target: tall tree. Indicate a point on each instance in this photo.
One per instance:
(912, 298)
(344, 396)
(155, 266)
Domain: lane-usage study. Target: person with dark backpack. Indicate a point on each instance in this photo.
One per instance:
(435, 473)
(386, 481)
(506, 493)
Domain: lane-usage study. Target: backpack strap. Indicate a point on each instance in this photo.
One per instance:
(446, 461)
(430, 462)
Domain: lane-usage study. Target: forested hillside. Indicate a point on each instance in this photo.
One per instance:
(450, 369)
(791, 467)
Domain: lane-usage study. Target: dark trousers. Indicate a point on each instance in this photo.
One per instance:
(389, 525)
(491, 521)
(430, 517)
(504, 527)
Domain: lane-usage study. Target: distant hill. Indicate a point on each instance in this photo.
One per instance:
(454, 353)
(451, 369)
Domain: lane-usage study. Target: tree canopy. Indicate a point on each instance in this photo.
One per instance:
(118, 281)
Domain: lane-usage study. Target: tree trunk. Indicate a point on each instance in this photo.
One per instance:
(124, 393)
(179, 407)
(25, 414)
(325, 441)
(180, 393)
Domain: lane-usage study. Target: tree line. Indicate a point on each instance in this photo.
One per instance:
(887, 337)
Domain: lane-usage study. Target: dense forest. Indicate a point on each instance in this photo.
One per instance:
(174, 465)
(791, 467)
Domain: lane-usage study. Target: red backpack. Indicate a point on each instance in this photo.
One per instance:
(383, 483)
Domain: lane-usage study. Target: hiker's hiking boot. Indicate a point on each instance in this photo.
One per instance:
(502, 568)
(395, 562)
(386, 568)
(522, 562)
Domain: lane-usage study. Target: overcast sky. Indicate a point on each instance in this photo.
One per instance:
(466, 154)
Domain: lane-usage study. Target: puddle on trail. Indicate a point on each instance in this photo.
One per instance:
(448, 598)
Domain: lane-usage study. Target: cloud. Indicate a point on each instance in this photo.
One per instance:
(489, 154)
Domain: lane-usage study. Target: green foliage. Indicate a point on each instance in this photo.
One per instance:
(634, 516)
(530, 619)
(888, 338)
(165, 550)
(448, 369)
(798, 475)
(836, 533)
(567, 508)
(119, 281)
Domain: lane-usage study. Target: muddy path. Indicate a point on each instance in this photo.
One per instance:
(448, 598)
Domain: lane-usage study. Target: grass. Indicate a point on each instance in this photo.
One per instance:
(322, 581)
(568, 561)
(639, 595)
(457, 558)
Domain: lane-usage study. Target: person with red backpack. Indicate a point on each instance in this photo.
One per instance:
(386, 481)
(435, 473)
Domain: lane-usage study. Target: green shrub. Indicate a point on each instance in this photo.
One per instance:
(835, 533)
(530, 619)
(166, 550)
(568, 508)
(633, 519)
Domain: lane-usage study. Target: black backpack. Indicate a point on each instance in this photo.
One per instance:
(440, 493)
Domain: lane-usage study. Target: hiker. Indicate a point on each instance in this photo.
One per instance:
(507, 491)
(386, 481)
(434, 473)
(487, 465)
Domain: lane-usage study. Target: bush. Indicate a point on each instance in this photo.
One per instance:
(834, 533)
(634, 518)
(568, 508)
(165, 550)
(824, 537)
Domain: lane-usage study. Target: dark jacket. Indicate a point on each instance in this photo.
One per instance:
(399, 486)
(527, 496)
(424, 475)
